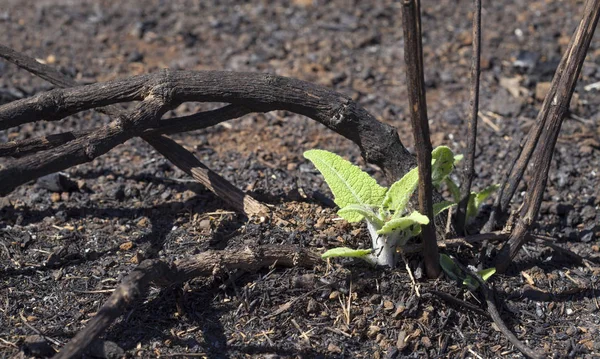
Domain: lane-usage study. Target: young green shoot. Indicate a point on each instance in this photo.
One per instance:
(455, 273)
(359, 197)
(476, 199)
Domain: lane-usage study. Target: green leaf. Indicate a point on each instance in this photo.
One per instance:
(356, 212)
(412, 222)
(346, 252)
(450, 268)
(470, 283)
(484, 194)
(442, 163)
(400, 192)
(458, 158)
(348, 183)
(477, 199)
(453, 188)
(442, 206)
(485, 274)
(455, 273)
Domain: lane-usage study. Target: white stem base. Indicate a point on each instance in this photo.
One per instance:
(384, 247)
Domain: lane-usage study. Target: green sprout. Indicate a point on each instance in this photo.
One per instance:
(476, 199)
(454, 272)
(359, 197)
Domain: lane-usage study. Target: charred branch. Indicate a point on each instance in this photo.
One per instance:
(413, 56)
(379, 142)
(557, 104)
(469, 163)
(154, 272)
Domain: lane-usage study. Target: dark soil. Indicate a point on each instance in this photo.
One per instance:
(62, 252)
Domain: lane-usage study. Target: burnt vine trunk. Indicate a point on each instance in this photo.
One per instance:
(379, 142)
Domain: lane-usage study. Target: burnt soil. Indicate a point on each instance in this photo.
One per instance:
(61, 253)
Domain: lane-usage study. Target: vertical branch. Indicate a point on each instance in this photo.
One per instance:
(413, 56)
(558, 102)
(469, 164)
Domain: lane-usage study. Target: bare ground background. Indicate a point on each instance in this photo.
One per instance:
(62, 252)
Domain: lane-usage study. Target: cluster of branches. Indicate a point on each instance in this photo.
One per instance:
(250, 92)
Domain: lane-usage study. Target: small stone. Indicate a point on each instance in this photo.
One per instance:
(135, 56)
(55, 197)
(426, 342)
(332, 348)
(588, 213)
(401, 341)
(375, 299)
(526, 60)
(126, 246)
(313, 306)
(320, 223)
(306, 281)
(137, 258)
(37, 346)
(104, 349)
(57, 182)
(360, 323)
(392, 353)
(82, 185)
(143, 222)
(292, 166)
(118, 193)
(569, 311)
(373, 331)
(204, 224)
(64, 196)
(334, 295)
(57, 274)
(388, 305)
(504, 104)
(132, 192)
(587, 237)
(399, 311)
(165, 195)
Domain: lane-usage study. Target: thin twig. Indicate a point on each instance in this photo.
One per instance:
(469, 163)
(449, 298)
(496, 212)
(39, 332)
(188, 163)
(414, 283)
(495, 315)
(193, 122)
(459, 241)
(160, 273)
(413, 56)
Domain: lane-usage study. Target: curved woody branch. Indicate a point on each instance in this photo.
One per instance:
(378, 142)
